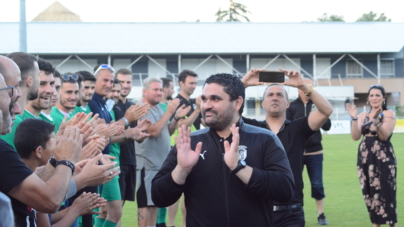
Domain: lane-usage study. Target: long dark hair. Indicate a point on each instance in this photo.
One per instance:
(381, 88)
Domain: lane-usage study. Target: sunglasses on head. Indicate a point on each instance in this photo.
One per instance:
(67, 77)
(104, 66)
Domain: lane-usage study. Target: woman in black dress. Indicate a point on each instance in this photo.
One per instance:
(377, 166)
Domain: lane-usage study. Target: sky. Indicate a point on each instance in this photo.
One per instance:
(192, 10)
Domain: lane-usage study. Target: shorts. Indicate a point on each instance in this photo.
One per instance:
(127, 182)
(111, 191)
(144, 179)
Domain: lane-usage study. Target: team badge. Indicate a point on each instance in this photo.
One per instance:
(243, 152)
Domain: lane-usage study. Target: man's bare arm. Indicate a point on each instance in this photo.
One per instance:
(44, 197)
(46, 172)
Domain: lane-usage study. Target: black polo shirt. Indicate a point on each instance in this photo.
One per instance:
(127, 156)
(14, 172)
(99, 106)
(293, 136)
(191, 102)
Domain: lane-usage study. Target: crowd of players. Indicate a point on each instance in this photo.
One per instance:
(74, 148)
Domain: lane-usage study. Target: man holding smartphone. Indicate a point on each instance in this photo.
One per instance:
(292, 134)
(313, 152)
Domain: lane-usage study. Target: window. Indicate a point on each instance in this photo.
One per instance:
(250, 107)
(353, 69)
(387, 68)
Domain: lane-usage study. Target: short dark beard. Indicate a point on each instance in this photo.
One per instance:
(86, 100)
(220, 124)
(32, 95)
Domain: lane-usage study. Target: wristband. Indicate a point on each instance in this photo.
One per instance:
(176, 119)
(354, 119)
(66, 163)
(52, 161)
(126, 121)
(311, 90)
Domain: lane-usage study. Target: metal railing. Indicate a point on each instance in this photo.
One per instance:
(337, 114)
(138, 78)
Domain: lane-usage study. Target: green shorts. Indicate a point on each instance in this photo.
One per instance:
(111, 190)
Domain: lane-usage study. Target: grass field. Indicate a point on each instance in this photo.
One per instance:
(344, 205)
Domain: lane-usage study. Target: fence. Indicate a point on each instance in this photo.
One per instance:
(337, 114)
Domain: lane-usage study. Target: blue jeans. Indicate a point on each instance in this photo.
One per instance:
(314, 166)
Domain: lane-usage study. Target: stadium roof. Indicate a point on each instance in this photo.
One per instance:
(204, 38)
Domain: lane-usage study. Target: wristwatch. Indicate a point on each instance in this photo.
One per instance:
(241, 164)
(67, 163)
(126, 122)
(52, 161)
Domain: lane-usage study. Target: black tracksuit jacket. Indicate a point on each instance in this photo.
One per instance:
(298, 109)
(216, 197)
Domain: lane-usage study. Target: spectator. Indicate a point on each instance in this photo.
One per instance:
(292, 134)
(377, 164)
(313, 151)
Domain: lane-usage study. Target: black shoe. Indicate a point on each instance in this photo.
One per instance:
(321, 219)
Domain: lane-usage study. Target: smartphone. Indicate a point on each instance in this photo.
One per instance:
(272, 76)
(347, 100)
(313, 108)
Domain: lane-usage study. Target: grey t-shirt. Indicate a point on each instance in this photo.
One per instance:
(6, 213)
(151, 153)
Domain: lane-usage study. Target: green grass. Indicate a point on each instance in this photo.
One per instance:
(344, 205)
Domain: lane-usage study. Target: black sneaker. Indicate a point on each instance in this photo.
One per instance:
(321, 219)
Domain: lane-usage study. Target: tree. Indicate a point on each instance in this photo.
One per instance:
(372, 17)
(332, 18)
(235, 11)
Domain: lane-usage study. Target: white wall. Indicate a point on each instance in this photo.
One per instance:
(74, 65)
(210, 67)
(120, 63)
(321, 65)
(259, 63)
(156, 71)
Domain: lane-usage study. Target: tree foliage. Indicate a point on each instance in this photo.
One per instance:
(331, 18)
(371, 16)
(235, 11)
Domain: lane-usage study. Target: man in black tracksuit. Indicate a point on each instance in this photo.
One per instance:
(236, 169)
(293, 135)
(313, 153)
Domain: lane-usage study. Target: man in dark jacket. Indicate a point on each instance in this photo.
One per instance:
(293, 135)
(313, 153)
(229, 172)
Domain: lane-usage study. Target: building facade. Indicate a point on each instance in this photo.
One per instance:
(343, 59)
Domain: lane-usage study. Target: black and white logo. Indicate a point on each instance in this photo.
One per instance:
(203, 155)
(243, 152)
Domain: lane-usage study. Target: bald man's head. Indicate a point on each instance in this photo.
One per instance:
(12, 77)
(5, 107)
(9, 68)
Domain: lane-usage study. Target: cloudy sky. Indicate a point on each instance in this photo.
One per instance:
(192, 10)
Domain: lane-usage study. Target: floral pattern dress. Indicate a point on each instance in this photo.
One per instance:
(377, 168)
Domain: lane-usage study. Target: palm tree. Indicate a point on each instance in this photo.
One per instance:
(235, 10)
